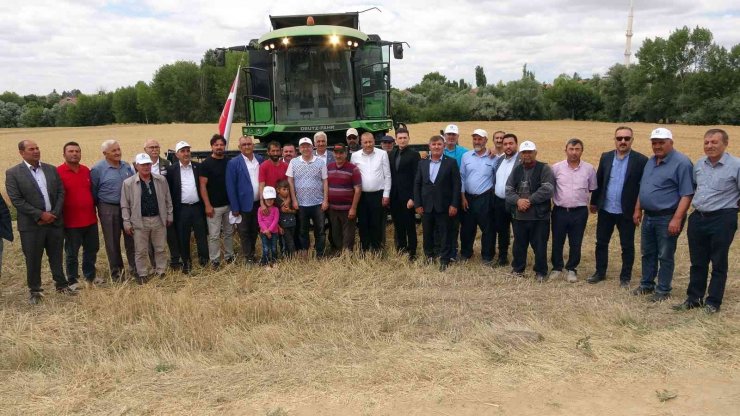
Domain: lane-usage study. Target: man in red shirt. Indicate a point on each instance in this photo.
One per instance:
(272, 170)
(80, 221)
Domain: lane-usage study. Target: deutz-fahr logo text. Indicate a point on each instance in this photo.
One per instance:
(317, 128)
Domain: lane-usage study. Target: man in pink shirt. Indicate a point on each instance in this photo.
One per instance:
(574, 181)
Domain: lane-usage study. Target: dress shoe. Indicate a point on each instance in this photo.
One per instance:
(67, 291)
(624, 284)
(555, 274)
(443, 266)
(503, 261)
(517, 274)
(596, 278)
(660, 297)
(541, 278)
(187, 267)
(642, 291)
(686, 305)
(229, 260)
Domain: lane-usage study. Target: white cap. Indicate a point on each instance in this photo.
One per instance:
(527, 145)
(180, 145)
(661, 133)
(234, 220)
(352, 132)
(480, 132)
(305, 140)
(451, 128)
(142, 159)
(269, 193)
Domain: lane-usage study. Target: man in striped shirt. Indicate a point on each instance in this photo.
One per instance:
(345, 188)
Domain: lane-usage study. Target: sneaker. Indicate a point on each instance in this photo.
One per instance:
(660, 297)
(67, 291)
(35, 298)
(711, 309)
(215, 264)
(229, 260)
(642, 291)
(555, 274)
(571, 276)
(74, 286)
(541, 278)
(515, 273)
(686, 305)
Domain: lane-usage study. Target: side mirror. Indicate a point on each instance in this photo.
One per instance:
(398, 50)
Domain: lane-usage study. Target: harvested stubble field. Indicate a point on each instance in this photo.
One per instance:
(354, 335)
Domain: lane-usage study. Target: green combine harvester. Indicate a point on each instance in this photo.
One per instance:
(317, 73)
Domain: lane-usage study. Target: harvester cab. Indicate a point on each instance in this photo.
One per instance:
(317, 73)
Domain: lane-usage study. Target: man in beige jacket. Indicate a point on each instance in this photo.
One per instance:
(146, 208)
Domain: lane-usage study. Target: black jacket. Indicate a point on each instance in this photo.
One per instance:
(175, 184)
(437, 196)
(6, 227)
(402, 179)
(631, 190)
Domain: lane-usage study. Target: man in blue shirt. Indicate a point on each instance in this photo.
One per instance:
(713, 223)
(454, 151)
(666, 189)
(476, 171)
(107, 178)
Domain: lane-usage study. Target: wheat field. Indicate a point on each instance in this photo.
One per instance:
(365, 335)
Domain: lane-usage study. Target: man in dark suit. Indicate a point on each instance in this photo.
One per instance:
(242, 187)
(6, 228)
(404, 162)
(618, 179)
(437, 198)
(189, 213)
(36, 191)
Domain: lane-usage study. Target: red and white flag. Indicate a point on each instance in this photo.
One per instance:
(227, 114)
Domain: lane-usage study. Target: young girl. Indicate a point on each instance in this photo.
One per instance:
(269, 228)
(287, 218)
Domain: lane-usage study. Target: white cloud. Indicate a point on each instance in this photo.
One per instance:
(93, 44)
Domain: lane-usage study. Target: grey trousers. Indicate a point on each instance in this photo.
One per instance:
(111, 223)
(47, 238)
(217, 226)
(342, 230)
(152, 233)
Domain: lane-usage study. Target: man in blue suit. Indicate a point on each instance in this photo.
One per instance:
(242, 186)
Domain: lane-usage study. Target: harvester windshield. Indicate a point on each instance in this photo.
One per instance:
(314, 82)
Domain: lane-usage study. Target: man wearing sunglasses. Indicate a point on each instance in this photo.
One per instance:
(618, 179)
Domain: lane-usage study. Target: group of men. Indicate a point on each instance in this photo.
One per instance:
(455, 191)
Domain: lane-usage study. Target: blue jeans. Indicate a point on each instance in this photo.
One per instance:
(269, 248)
(658, 250)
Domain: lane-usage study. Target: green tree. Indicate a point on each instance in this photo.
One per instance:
(10, 112)
(480, 77)
(146, 102)
(525, 99)
(125, 107)
(177, 91)
(32, 116)
(573, 97)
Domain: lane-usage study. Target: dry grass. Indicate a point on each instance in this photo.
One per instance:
(364, 335)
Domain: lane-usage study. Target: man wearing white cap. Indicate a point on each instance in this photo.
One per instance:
(146, 208)
(184, 180)
(528, 191)
(309, 190)
(353, 140)
(476, 171)
(666, 190)
(454, 151)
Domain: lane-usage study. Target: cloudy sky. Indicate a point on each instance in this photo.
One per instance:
(99, 44)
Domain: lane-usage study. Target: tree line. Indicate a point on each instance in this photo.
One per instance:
(685, 78)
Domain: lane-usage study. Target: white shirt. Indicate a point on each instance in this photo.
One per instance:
(502, 175)
(155, 168)
(253, 166)
(188, 192)
(38, 175)
(375, 170)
